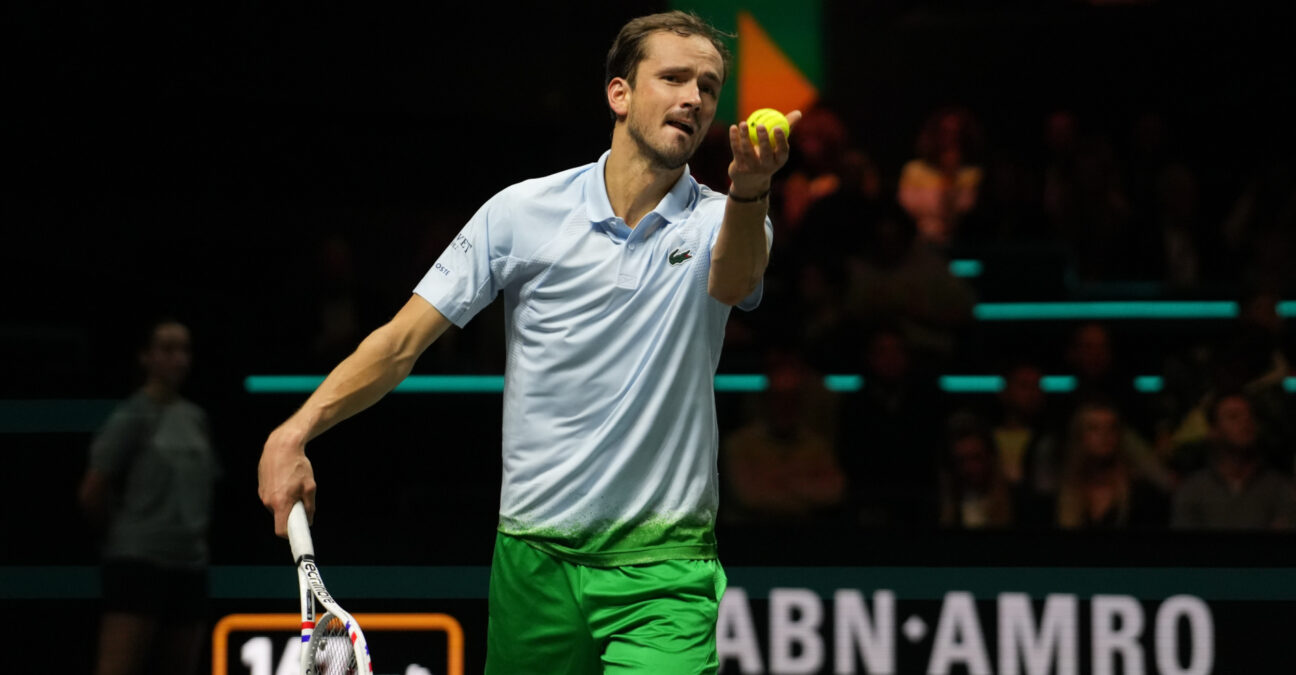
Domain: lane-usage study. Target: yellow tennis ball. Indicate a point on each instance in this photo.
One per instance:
(772, 119)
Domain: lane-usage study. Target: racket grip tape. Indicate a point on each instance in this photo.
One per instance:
(299, 537)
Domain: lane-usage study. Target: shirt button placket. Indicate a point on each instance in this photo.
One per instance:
(626, 276)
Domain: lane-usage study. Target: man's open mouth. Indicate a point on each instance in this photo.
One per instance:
(682, 126)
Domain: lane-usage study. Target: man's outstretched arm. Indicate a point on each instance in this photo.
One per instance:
(380, 363)
(741, 251)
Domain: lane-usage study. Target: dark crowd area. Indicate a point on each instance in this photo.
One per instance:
(280, 179)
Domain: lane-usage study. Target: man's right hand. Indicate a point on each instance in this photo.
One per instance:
(285, 476)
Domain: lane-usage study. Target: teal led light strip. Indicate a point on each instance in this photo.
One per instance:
(966, 268)
(455, 384)
(732, 383)
(1058, 384)
(741, 383)
(459, 384)
(1150, 384)
(843, 383)
(993, 384)
(19, 416)
(1131, 309)
(282, 384)
(967, 384)
(414, 384)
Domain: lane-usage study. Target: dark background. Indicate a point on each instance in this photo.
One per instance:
(197, 161)
(200, 161)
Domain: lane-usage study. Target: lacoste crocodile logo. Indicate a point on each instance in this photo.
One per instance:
(676, 257)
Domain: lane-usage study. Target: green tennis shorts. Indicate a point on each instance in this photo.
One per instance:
(552, 617)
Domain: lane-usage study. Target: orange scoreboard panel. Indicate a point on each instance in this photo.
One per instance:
(408, 644)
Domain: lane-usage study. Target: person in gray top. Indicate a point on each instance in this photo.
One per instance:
(148, 487)
(1237, 490)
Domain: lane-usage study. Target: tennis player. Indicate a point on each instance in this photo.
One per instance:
(618, 277)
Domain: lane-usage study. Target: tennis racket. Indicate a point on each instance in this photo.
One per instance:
(332, 643)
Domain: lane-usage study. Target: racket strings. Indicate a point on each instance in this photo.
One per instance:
(330, 646)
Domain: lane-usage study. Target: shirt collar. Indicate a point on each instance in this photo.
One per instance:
(674, 206)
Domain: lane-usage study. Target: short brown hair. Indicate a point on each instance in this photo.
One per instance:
(628, 48)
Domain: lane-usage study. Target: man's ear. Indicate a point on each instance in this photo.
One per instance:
(618, 96)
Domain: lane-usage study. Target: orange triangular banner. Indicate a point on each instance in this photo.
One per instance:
(766, 77)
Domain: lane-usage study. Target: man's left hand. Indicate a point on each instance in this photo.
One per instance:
(754, 165)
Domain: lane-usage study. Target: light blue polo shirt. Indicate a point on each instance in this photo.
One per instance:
(610, 435)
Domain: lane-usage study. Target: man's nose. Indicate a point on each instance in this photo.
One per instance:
(692, 97)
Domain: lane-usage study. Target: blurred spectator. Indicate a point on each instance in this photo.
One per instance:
(781, 464)
(1168, 225)
(149, 485)
(889, 445)
(828, 201)
(1233, 424)
(1085, 202)
(1259, 232)
(825, 164)
(817, 172)
(1252, 359)
(1177, 411)
(825, 337)
(1021, 420)
(1257, 355)
(1091, 356)
(1237, 489)
(900, 282)
(1262, 336)
(1057, 191)
(1047, 463)
(1150, 153)
(974, 492)
(1185, 241)
(1008, 209)
(1061, 144)
(1100, 487)
(941, 184)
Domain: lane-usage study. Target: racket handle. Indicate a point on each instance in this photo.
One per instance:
(299, 537)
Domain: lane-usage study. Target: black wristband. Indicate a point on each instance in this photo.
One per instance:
(749, 200)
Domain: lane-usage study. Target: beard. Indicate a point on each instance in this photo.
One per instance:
(668, 159)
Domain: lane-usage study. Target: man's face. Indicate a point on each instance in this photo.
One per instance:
(167, 357)
(1091, 351)
(888, 358)
(950, 131)
(673, 100)
(1235, 424)
(1262, 311)
(1022, 391)
(1099, 432)
(972, 460)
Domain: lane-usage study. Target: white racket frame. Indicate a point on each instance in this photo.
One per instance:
(312, 591)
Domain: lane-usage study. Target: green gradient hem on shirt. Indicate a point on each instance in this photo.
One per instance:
(616, 544)
(623, 558)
